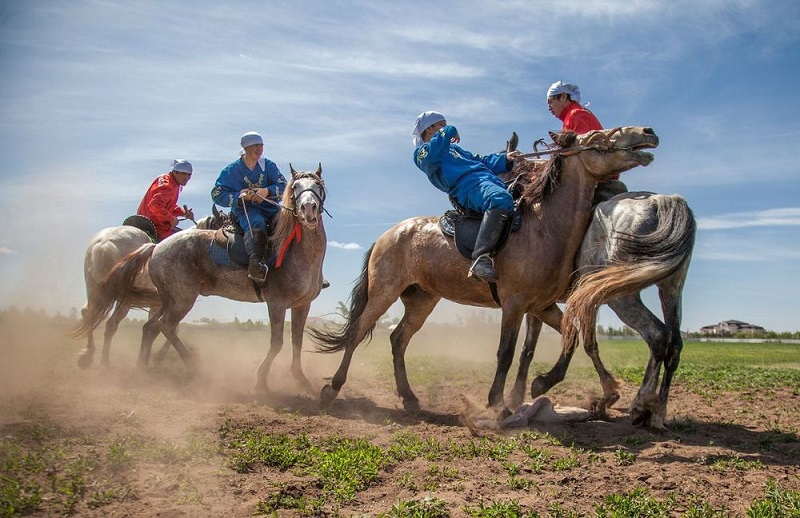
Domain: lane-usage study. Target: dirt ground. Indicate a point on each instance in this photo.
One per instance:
(719, 450)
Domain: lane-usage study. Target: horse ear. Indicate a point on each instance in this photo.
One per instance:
(214, 211)
(291, 170)
(319, 170)
(554, 136)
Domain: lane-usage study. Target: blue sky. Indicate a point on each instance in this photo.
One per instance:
(97, 97)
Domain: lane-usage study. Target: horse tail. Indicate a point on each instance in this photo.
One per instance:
(331, 341)
(646, 260)
(115, 288)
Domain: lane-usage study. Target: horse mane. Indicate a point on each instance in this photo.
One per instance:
(537, 181)
(284, 220)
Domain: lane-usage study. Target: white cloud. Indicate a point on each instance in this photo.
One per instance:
(782, 217)
(345, 246)
(6, 251)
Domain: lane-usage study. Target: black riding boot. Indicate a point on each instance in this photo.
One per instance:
(492, 227)
(256, 245)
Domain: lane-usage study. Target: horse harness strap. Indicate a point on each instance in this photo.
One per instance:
(296, 234)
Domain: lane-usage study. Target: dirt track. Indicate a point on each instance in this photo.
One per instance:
(718, 450)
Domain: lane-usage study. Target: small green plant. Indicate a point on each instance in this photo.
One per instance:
(428, 507)
(624, 458)
(510, 509)
(724, 463)
(635, 503)
(776, 502)
(567, 463)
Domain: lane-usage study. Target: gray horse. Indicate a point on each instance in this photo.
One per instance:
(107, 248)
(633, 232)
(180, 269)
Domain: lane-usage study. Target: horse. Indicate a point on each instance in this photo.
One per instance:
(180, 268)
(636, 240)
(415, 262)
(636, 229)
(107, 248)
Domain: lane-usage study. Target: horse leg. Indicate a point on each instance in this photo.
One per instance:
(162, 352)
(419, 305)
(544, 382)
(533, 327)
(636, 315)
(299, 317)
(611, 385)
(671, 303)
(172, 312)
(509, 330)
(86, 358)
(277, 317)
(112, 324)
(378, 303)
(149, 333)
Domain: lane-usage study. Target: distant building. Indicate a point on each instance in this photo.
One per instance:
(731, 327)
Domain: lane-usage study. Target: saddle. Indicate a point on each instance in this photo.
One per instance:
(144, 224)
(463, 225)
(227, 248)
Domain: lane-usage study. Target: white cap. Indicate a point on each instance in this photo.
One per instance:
(560, 87)
(424, 121)
(251, 138)
(181, 166)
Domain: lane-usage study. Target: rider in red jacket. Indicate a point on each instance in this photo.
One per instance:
(160, 202)
(563, 101)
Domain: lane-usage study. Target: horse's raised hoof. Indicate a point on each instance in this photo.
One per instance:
(327, 395)
(85, 362)
(610, 399)
(538, 387)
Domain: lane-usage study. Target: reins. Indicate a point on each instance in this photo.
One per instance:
(293, 209)
(606, 147)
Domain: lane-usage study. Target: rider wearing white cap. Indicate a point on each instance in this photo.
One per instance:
(563, 101)
(160, 202)
(468, 178)
(251, 180)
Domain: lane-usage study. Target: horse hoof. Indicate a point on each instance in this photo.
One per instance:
(411, 405)
(327, 395)
(538, 387)
(84, 362)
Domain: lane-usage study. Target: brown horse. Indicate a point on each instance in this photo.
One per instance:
(415, 262)
(653, 235)
(107, 248)
(180, 269)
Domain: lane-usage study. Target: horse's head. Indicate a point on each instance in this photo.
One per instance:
(307, 191)
(608, 152)
(215, 221)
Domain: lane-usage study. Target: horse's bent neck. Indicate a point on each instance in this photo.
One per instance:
(565, 213)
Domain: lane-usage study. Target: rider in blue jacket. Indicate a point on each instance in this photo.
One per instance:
(469, 178)
(252, 186)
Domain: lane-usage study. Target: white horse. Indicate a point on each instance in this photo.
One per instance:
(107, 248)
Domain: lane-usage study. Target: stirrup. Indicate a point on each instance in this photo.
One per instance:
(260, 279)
(487, 276)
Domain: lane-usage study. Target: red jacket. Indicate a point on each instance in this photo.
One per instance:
(160, 204)
(580, 120)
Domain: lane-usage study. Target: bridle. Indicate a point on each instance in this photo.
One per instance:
(319, 193)
(605, 145)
